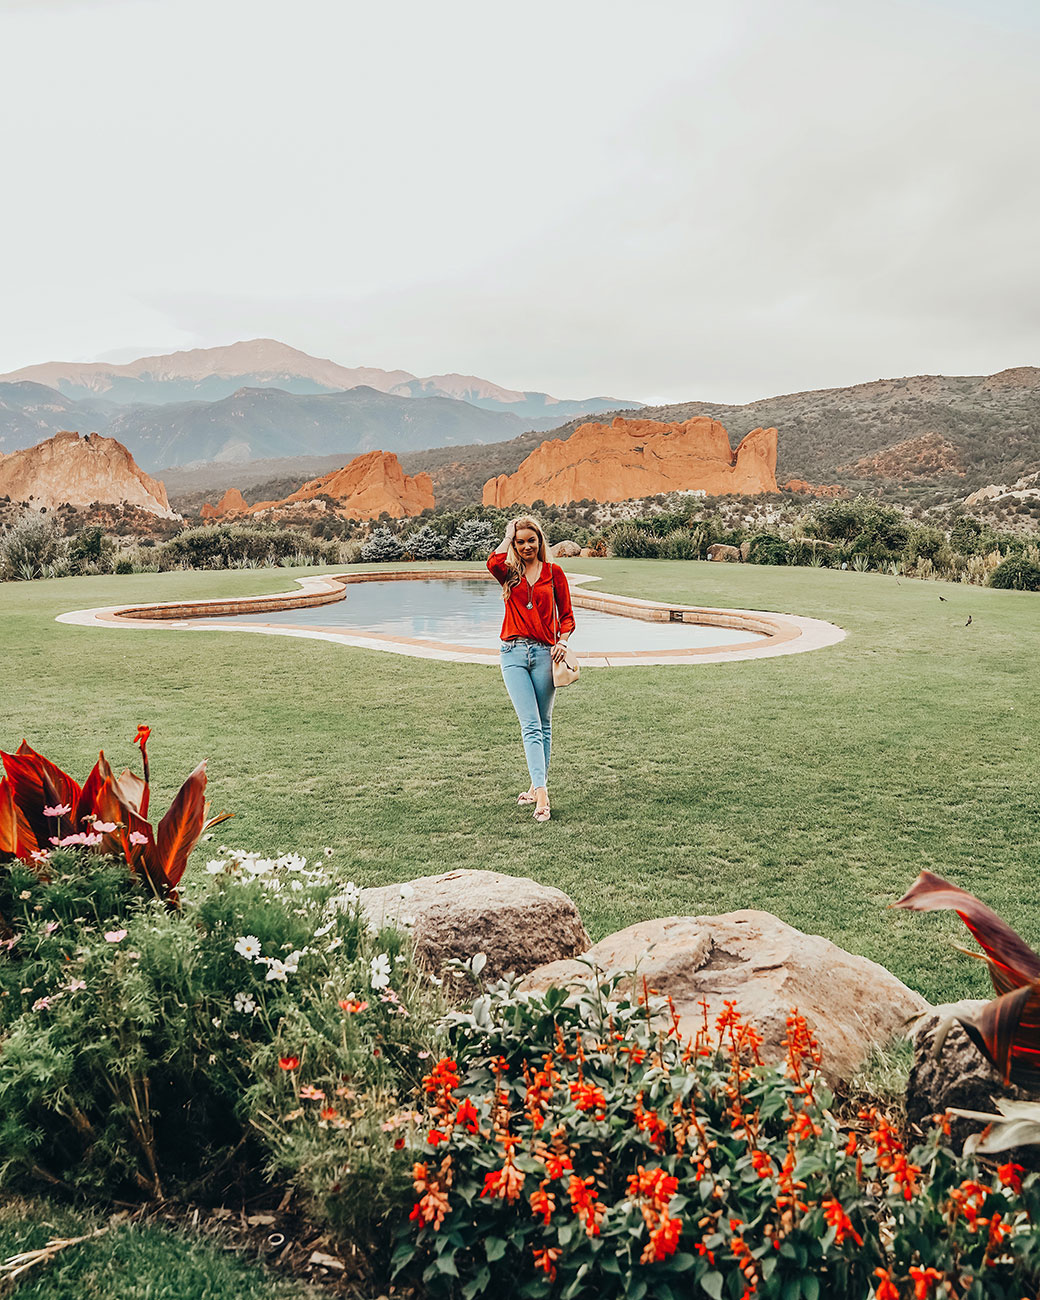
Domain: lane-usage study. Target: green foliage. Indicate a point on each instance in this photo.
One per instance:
(580, 1145)
(32, 548)
(424, 543)
(91, 548)
(222, 546)
(142, 1046)
(767, 548)
(381, 545)
(680, 544)
(1016, 574)
(630, 541)
(474, 540)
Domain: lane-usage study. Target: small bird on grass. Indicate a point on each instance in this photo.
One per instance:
(968, 624)
(943, 599)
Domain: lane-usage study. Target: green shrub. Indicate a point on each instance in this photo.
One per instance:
(1016, 574)
(148, 1050)
(32, 548)
(629, 542)
(223, 546)
(424, 543)
(123, 565)
(380, 546)
(578, 1146)
(474, 540)
(767, 548)
(680, 544)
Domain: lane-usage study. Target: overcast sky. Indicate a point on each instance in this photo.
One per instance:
(659, 199)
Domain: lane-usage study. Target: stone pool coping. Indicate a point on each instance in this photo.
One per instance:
(784, 633)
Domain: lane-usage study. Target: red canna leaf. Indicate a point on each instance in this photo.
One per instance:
(133, 791)
(135, 840)
(8, 821)
(1012, 963)
(1007, 1032)
(37, 783)
(180, 829)
(86, 803)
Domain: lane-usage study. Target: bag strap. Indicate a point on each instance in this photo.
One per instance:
(556, 612)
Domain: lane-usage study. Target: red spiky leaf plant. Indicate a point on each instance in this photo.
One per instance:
(32, 783)
(1007, 1030)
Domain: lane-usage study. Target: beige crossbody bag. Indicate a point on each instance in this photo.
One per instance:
(565, 672)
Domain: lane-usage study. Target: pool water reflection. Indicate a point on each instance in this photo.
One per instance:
(468, 612)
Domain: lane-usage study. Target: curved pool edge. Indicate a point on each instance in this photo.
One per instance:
(783, 634)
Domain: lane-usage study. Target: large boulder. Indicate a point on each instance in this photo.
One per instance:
(516, 922)
(766, 967)
(564, 550)
(719, 551)
(949, 1070)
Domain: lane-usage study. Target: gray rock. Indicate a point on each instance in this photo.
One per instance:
(564, 550)
(518, 923)
(766, 967)
(959, 1075)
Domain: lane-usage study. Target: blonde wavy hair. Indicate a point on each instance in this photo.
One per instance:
(514, 564)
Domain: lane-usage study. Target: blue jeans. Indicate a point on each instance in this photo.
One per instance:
(527, 673)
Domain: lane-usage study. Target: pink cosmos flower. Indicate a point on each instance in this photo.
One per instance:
(50, 927)
(76, 986)
(42, 1004)
(58, 810)
(115, 936)
(310, 1093)
(105, 828)
(40, 855)
(137, 838)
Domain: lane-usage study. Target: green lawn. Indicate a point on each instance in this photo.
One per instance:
(131, 1261)
(814, 786)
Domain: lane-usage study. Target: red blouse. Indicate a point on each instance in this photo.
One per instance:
(538, 622)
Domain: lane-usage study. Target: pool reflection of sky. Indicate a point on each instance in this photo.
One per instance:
(465, 611)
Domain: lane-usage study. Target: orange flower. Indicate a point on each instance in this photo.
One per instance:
(585, 1203)
(1010, 1175)
(441, 1082)
(435, 1136)
(143, 733)
(543, 1203)
(504, 1184)
(925, 1281)
(840, 1222)
(466, 1117)
(886, 1289)
(328, 1112)
(546, 1261)
(664, 1240)
(588, 1097)
(762, 1164)
(289, 1062)
(904, 1175)
(352, 1006)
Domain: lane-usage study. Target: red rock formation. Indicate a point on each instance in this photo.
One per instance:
(70, 470)
(815, 489)
(364, 489)
(231, 503)
(639, 458)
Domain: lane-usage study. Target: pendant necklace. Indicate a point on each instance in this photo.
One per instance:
(530, 593)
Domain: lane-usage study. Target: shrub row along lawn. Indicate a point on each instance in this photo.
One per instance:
(814, 786)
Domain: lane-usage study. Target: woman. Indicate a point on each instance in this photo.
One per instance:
(538, 620)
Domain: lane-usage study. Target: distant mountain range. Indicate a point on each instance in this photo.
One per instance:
(260, 399)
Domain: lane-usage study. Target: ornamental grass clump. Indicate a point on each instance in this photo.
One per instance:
(577, 1145)
(149, 1051)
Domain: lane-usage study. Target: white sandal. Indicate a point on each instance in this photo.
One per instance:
(542, 814)
(525, 797)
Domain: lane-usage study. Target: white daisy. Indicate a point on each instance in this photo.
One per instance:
(248, 947)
